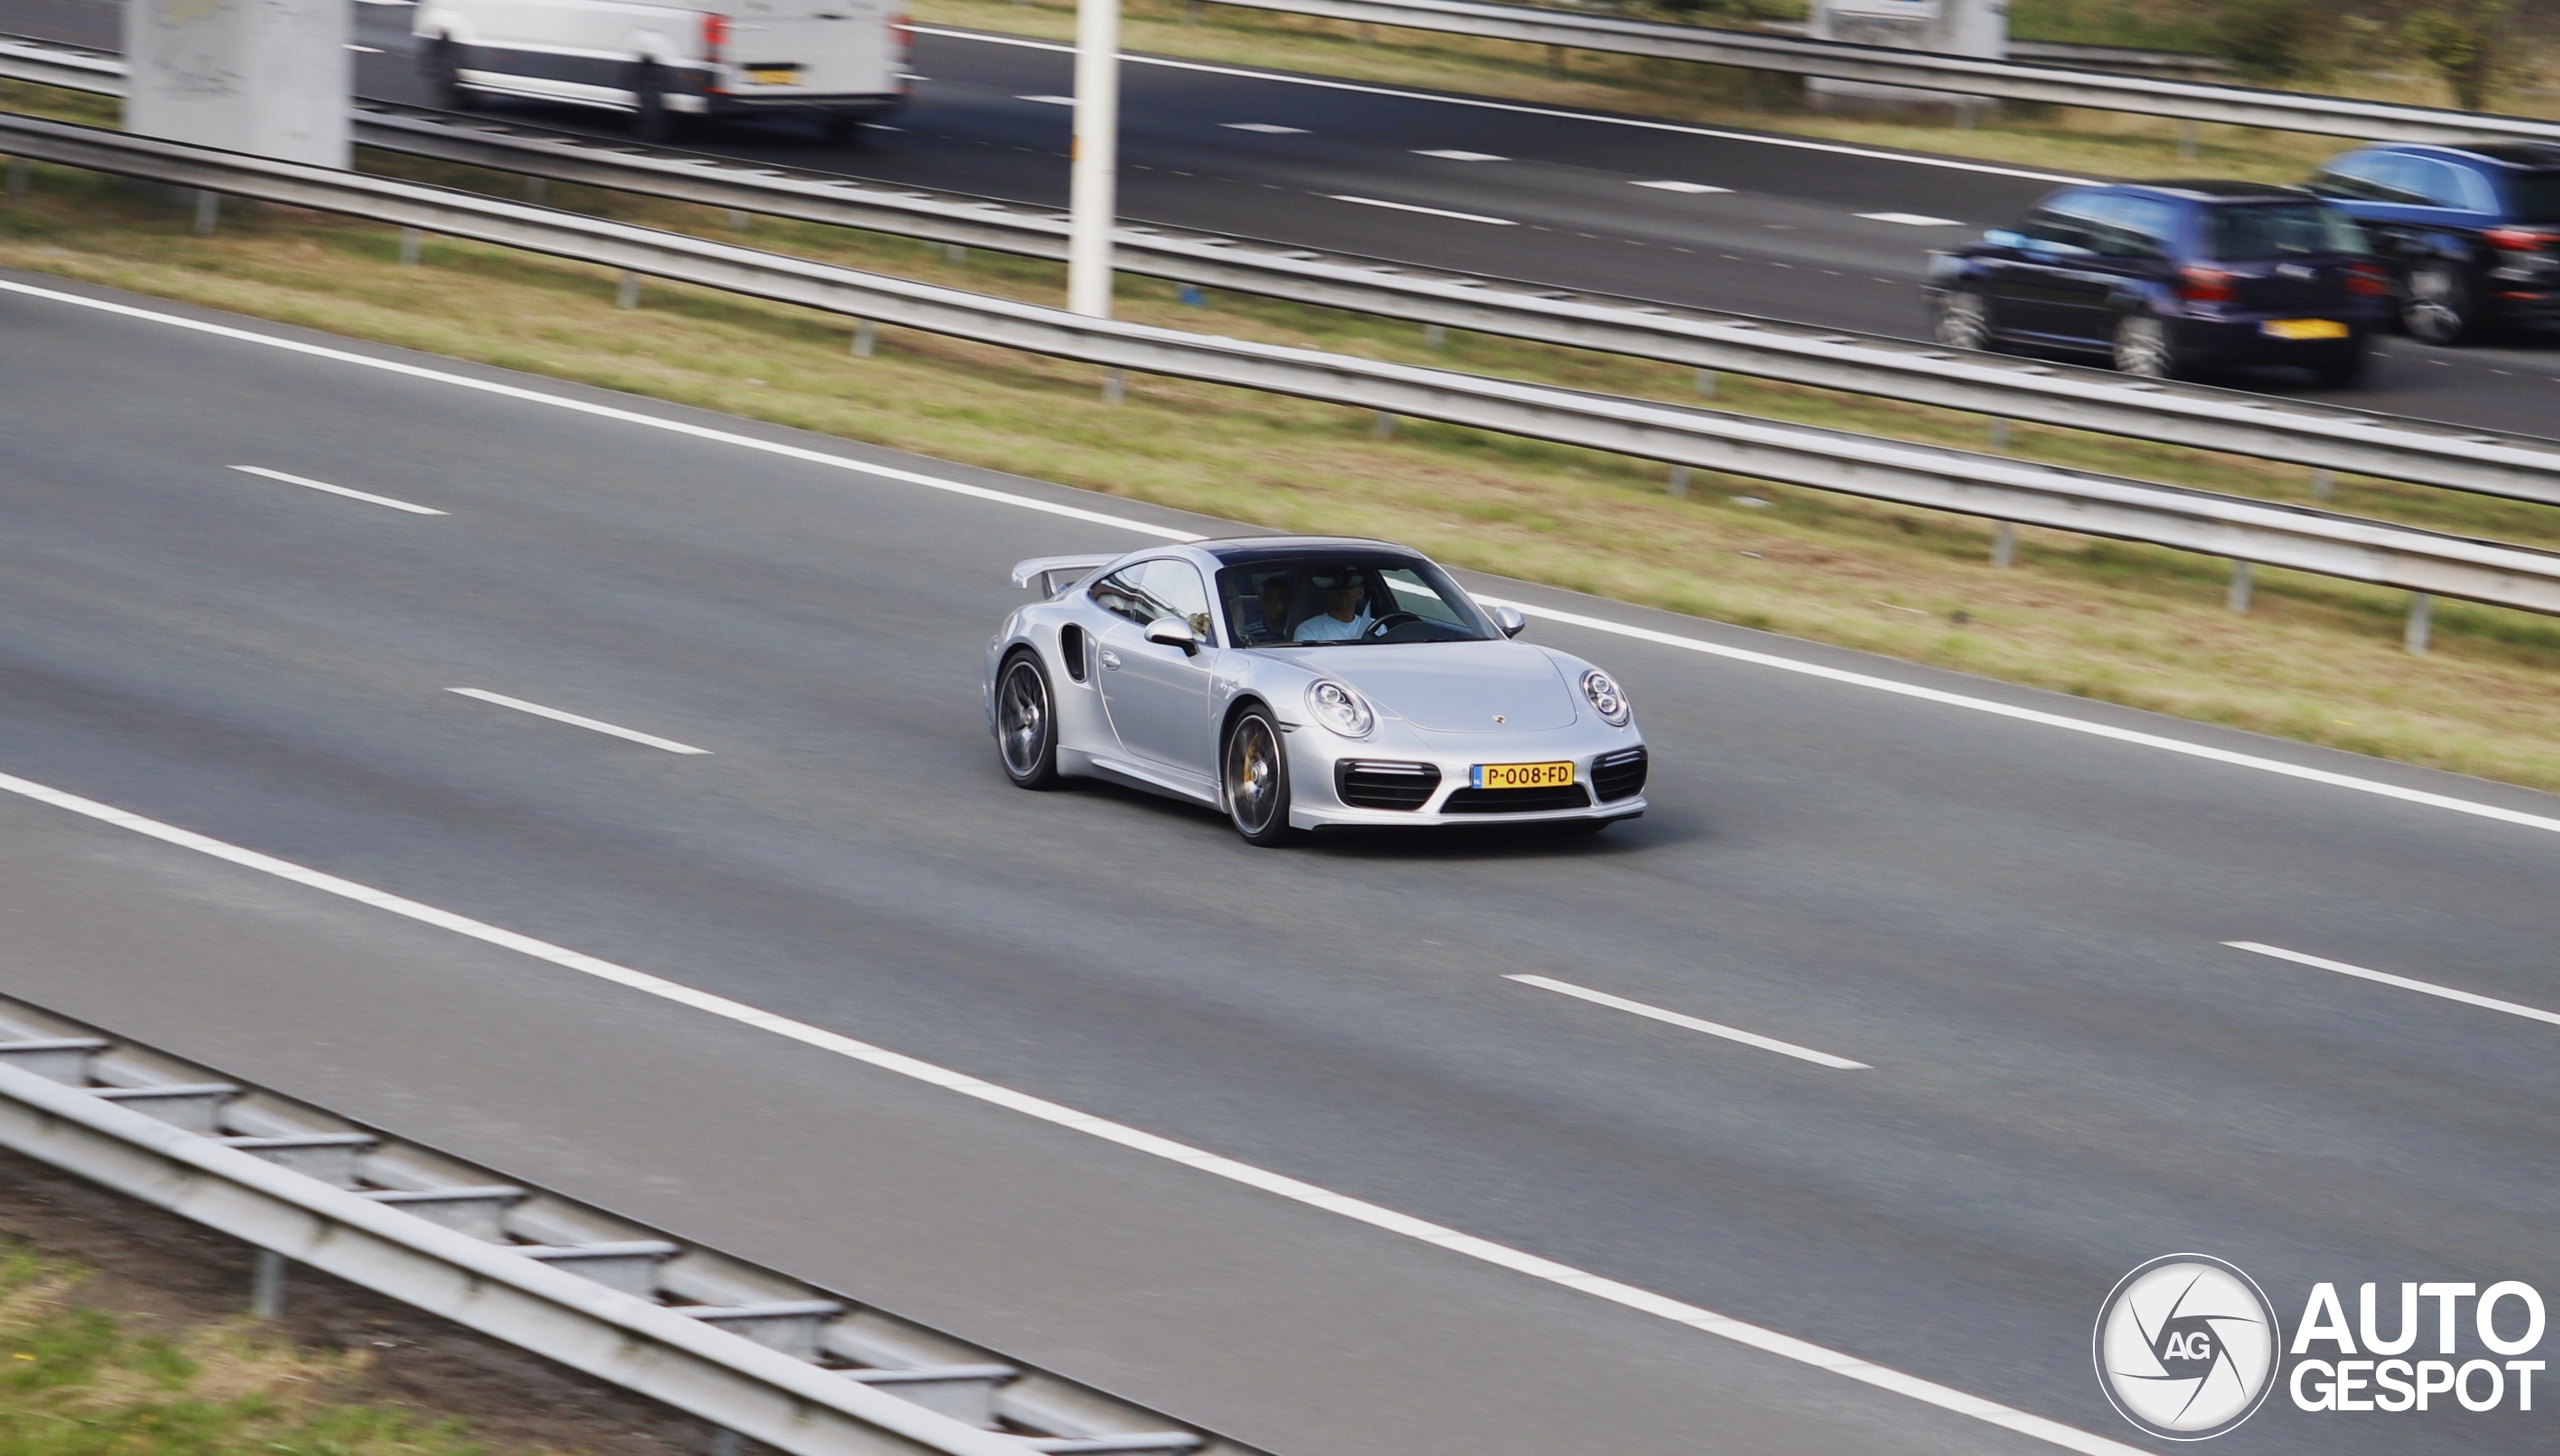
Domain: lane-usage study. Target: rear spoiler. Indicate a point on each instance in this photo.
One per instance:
(1054, 572)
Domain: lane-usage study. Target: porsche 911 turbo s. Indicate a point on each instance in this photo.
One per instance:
(1304, 683)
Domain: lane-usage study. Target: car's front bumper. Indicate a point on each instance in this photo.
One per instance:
(1341, 783)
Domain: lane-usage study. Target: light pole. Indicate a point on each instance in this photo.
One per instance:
(1091, 205)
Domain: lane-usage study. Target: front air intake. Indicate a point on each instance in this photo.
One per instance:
(1619, 775)
(1366, 785)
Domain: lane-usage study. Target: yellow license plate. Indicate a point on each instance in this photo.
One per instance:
(2303, 329)
(773, 75)
(1523, 775)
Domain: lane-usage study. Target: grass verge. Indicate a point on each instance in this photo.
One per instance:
(2048, 138)
(2316, 660)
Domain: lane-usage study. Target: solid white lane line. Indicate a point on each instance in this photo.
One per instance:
(2475, 808)
(1799, 144)
(556, 716)
(2530, 1013)
(1485, 1250)
(1680, 187)
(1912, 219)
(1049, 100)
(380, 500)
(1267, 128)
(1451, 154)
(1711, 1028)
(1426, 211)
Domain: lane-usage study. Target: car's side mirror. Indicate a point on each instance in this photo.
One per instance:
(1173, 632)
(1508, 618)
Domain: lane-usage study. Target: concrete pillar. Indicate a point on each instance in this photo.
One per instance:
(269, 77)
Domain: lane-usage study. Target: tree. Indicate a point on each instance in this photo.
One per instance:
(2465, 40)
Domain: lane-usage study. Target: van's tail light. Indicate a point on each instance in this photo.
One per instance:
(715, 38)
(2367, 280)
(2519, 240)
(2206, 285)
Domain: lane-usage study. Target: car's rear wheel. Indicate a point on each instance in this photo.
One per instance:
(444, 77)
(2436, 307)
(1027, 723)
(1256, 780)
(651, 118)
(1964, 320)
(2143, 349)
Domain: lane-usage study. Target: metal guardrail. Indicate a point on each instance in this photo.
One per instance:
(2358, 442)
(2320, 542)
(747, 1349)
(1964, 75)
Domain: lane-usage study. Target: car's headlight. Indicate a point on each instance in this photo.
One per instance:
(1339, 708)
(1607, 698)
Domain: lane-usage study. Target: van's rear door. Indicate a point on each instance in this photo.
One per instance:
(813, 48)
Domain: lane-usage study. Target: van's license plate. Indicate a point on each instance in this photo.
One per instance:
(773, 75)
(2303, 329)
(1524, 775)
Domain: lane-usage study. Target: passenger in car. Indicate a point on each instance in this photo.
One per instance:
(1266, 615)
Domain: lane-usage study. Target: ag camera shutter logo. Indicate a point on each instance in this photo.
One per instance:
(2186, 1347)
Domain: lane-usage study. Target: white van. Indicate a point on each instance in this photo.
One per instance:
(836, 60)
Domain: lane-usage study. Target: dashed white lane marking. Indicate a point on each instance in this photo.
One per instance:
(2353, 783)
(1502, 1256)
(593, 724)
(2530, 1013)
(1668, 186)
(1800, 144)
(364, 50)
(1912, 219)
(1049, 100)
(322, 485)
(1267, 128)
(1425, 211)
(1711, 1028)
(1452, 154)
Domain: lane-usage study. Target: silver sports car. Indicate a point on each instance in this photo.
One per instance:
(1304, 682)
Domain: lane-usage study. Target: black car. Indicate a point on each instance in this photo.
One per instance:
(2169, 277)
(2471, 233)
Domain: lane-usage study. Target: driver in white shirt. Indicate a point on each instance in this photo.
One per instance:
(1346, 614)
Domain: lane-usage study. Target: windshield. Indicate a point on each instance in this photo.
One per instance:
(1345, 598)
(2264, 230)
(2536, 196)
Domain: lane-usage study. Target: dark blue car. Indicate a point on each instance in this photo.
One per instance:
(2168, 278)
(2471, 234)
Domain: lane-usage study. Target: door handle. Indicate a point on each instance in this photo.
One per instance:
(1110, 660)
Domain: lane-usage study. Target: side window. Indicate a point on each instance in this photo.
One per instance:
(1175, 589)
(2122, 226)
(2467, 189)
(1121, 595)
(2355, 176)
(2058, 220)
(2397, 177)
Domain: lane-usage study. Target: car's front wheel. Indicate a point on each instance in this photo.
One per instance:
(1256, 780)
(1964, 320)
(2436, 308)
(2143, 349)
(1027, 723)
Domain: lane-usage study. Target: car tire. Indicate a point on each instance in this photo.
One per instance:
(1253, 780)
(841, 129)
(1963, 320)
(1027, 722)
(2436, 305)
(444, 77)
(651, 119)
(2143, 349)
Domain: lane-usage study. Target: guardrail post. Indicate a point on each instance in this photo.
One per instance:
(1706, 383)
(737, 221)
(208, 211)
(2187, 139)
(1555, 62)
(1997, 430)
(1191, 12)
(2242, 584)
(2324, 485)
(1434, 336)
(1679, 480)
(628, 295)
(408, 247)
(2422, 619)
(266, 1285)
(17, 180)
(2004, 544)
(1115, 385)
(537, 190)
(725, 1442)
(954, 254)
(866, 337)
(1383, 427)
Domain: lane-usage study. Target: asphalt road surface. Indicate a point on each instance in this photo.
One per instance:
(1816, 232)
(2018, 927)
